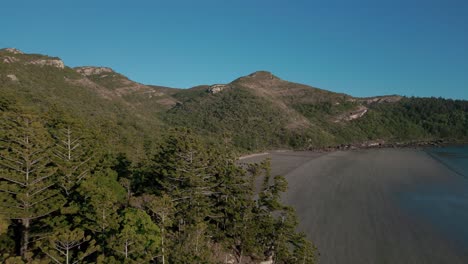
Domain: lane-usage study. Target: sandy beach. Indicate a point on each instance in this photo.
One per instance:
(377, 206)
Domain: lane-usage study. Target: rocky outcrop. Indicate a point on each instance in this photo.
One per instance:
(12, 77)
(48, 62)
(13, 50)
(357, 113)
(88, 70)
(40, 60)
(214, 89)
(8, 59)
(360, 112)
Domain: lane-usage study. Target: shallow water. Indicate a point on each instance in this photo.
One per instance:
(445, 204)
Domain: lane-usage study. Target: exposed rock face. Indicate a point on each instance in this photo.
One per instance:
(357, 113)
(87, 71)
(360, 112)
(13, 50)
(8, 59)
(214, 89)
(48, 62)
(12, 77)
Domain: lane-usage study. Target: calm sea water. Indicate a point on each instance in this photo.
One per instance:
(445, 205)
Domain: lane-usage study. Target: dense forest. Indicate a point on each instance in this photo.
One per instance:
(254, 124)
(96, 168)
(252, 113)
(67, 198)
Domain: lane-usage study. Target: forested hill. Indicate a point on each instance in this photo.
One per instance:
(91, 172)
(97, 168)
(252, 113)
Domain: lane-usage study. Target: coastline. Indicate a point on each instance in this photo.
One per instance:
(377, 144)
(364, 196)
(443, 162)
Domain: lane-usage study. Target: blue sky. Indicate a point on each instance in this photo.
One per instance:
(362, 48)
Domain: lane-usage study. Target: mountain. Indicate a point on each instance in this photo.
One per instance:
(254, 112)
(123, 110)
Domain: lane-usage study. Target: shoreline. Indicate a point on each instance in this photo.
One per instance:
(345, 196)
(380, 144)
(441, 161)
(364, 146)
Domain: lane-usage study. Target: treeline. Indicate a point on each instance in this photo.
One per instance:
(250, 123)
(410, 119)
(235, 117)
(66, 198)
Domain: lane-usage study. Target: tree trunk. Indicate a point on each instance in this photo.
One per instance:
(126, 249)
(24, 237)
(162, 246)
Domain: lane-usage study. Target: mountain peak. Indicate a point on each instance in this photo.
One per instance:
(12, 55)
(262, 75)
(264, 78)
(12, 50)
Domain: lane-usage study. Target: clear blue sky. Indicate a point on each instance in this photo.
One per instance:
(362, 48)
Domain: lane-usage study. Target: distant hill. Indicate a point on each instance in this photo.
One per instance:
(254, 112)
(122, 110)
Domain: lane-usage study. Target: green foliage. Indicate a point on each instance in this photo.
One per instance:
(255, 113)
(7, 242)
(191, 197)
(256, 123)
(103, 195)
(162, 209)
(48, 89)
(239, 118)
(68, 246)
(412, 119)
(26, 171)
(206, 198)
(193, 245)
(72, 157)
(274, 224)
(323, 110)
(27, 174)
(119, 177)
(138, 239)
(4, 223)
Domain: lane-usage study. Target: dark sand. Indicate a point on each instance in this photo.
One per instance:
(354, 205)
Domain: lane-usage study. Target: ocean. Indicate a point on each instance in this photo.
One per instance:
(444, 205)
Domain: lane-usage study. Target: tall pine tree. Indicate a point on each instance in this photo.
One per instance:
(27, 176)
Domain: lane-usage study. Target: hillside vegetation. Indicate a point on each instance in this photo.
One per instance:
(97, 168)
(66, 199)
(252, 113)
